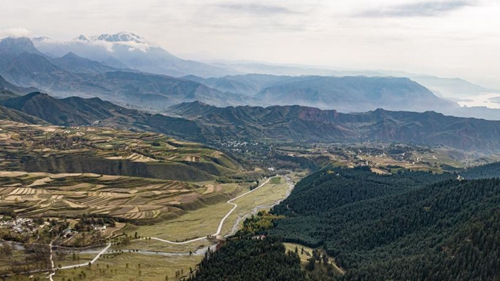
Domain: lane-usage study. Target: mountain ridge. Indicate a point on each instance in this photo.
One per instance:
(311, 124)
(200, 122)
(345, 94)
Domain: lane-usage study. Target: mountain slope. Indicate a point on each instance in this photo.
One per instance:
(56, 111)
(74, 63)
(14, 90)
(33, 70)
(16, 46)
(18, 116)
(311, 124)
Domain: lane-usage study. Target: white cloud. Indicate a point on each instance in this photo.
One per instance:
(108, 46)
(15, 32)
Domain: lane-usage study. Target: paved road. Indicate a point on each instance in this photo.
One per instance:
(219, 229)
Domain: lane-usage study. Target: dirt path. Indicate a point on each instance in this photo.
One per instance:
(91, 262)
(52, 273)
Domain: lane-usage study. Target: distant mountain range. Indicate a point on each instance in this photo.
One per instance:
(348, 94)
(71, 75)
(455, 89)
(204, 123)
(345, 94)
(128, 50)
(451, 88)
(123, 82)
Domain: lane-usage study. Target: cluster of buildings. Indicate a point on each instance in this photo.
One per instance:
(20, 225)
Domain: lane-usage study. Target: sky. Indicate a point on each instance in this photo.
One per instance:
(458, 38)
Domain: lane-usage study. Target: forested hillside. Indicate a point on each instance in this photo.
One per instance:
(255, 259)
(410, 226)
(482, 172)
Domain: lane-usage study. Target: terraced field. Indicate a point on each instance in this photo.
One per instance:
(107, 151)
(122, 198)
(43, 194)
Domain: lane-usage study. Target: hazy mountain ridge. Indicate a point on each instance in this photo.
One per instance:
(311, 124)
(74, 63)
(74, 75)
(452, 88)
(346, 94)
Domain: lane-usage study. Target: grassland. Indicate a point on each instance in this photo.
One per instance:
(204, 221)
(261, 199)
(127, 266)
(193, 224)
(157, 246)
(305, 253)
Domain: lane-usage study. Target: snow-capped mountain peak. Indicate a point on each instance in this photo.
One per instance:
(81, 38)
(119, 37)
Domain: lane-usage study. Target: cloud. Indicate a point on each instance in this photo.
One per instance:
(100, 44)
(422, 9)
(257, 9)
(15, 32)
